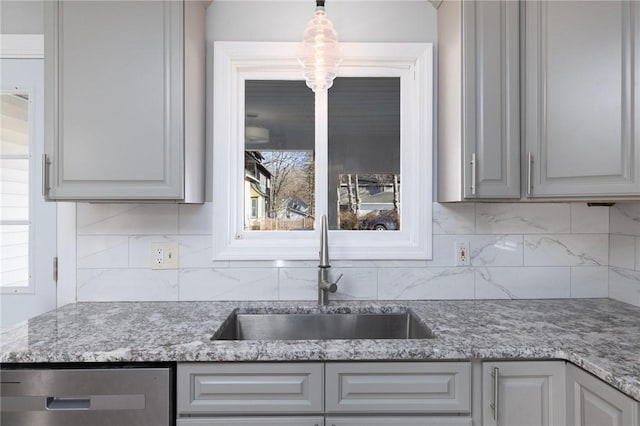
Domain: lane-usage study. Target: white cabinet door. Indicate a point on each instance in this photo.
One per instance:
(115, 92)
(581, 98)
(591, 402)
(523, 393)
(479, 100)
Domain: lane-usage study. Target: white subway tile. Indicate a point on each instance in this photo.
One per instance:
(229, 284)
(302, 284)
(523, 283)
(589, 281)
(298, 284)
(589, 220)
(566, 250)
(425, 283)
(389, 263)
(625, 219)
(98, 251)
(522, 218)
(127, 219)
(274, 263)
(622, 251)
(454, 218)
(196, 251)
(496, 250)
(624, 285)
(126, 285)
(196, 219)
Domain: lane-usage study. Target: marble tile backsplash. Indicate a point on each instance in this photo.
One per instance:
(517, 250)
(624, 253)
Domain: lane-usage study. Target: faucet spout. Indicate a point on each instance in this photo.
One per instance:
(325, 286)
(324, 244)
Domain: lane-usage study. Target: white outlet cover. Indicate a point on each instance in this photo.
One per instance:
(165, 255)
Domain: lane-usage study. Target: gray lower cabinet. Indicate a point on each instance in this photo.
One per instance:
(253, 421)
(398, 421)
(591, 402)
(518, 393)
(301, 394)
(479, 100)
(580, 99)
(255, 388)
(124, 100)
(398, 387)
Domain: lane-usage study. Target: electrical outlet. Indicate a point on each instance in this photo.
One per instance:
(462, 255)
(165, 255)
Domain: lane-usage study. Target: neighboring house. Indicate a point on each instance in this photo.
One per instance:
(293, 208)
(370, 194)
(257, 187)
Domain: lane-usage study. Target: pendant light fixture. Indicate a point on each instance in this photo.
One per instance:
(319, 52)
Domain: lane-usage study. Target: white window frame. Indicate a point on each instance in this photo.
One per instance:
(25, 46)
(236, 62)
(30, 157)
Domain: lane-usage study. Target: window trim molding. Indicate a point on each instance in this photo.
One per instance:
(414, 61)
(25, 46)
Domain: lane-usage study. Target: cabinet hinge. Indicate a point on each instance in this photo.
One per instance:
(55, 270)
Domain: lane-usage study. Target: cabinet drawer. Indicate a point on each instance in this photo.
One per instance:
(250, 388)
(421, 387)
(255, 421)
(398, 421)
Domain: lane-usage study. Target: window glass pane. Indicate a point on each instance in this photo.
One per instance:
(14, 255)
(279, 184)
(14, 189)
(364, 153)
(14, 128)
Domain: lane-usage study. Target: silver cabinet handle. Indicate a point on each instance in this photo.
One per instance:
(473, 173)
(73, 404)
(496, 393)
(45, 175)
(529, 174)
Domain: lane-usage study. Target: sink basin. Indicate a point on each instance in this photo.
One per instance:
(322, 326)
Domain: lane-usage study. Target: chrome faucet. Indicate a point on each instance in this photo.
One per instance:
(324, 285)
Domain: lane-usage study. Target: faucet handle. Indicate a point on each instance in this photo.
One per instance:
(333, 287)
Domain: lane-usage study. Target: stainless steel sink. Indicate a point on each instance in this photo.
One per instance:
(321, 326)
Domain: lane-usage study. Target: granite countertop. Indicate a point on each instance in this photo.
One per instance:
(600, 335)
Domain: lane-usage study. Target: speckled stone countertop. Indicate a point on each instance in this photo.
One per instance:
(600, 335)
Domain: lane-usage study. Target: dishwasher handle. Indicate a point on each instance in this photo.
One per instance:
(73, 404)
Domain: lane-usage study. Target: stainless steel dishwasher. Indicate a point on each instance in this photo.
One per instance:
(87, 397)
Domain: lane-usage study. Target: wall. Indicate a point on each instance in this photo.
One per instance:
(624, 253)
(517, 251)
(21, 17)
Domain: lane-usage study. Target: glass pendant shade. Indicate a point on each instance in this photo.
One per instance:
(319, 52)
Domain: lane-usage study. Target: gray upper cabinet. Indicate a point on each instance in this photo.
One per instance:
(580, 99)
(125, 100)
(478, 100)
